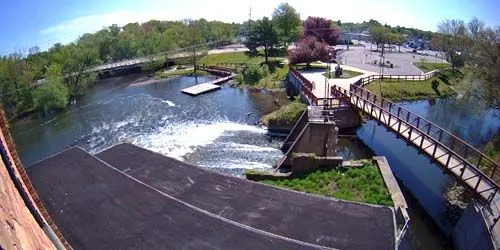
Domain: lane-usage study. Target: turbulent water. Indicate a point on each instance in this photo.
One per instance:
(214, 130)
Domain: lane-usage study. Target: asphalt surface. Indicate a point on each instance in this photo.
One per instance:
(98, 207)
(322, 221)
(360, 57)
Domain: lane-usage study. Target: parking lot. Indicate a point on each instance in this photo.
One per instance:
(363, 57)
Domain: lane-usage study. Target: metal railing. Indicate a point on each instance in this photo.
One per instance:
(306, 86)
(402, 121)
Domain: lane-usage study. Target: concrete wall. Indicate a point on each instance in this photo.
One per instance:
(347, 118)
(471, 232)
(304, 163)
(316, 138)
(19, 229)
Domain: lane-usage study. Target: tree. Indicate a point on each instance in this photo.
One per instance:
(486, 59)
(287, 21)
(263, 35)
(52, 94)
(309, 49)
(321, 28)
(380, 35)
(451, 40)
(75, 60)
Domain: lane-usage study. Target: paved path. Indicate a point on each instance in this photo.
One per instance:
(319, 80)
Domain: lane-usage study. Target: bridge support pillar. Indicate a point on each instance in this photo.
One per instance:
(316, 137)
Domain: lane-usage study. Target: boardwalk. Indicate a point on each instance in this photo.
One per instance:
(211, 85)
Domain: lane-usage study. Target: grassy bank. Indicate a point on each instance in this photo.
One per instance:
(178, 72)
(492, 148)
(427, 67)
(287, 114)
(410, 90)
(364, 184)
(235, 58)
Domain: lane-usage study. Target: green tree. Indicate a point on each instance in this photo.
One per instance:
(452, 39)
(380, 35)
(287, 21)
(263, 35)
(52, 94)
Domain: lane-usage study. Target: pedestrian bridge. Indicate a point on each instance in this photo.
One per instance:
(469, 166)
(462, 161)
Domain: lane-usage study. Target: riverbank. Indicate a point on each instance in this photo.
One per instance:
(179, 72)
(444, 84)
(283, 119)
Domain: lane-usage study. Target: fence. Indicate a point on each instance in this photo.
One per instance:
(364, 81)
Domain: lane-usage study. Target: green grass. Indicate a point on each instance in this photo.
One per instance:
(409, 90)
(190, 72)
(492, 148)
(364, 184)
(235, 58)
(345, 74)
(289, 113)
(426, 66)
(273, 80)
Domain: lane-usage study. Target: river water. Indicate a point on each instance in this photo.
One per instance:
(216, 130)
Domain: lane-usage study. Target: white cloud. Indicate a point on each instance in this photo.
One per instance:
(228, 11)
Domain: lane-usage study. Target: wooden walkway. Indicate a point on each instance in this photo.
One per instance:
(211, 85)
(465, 163)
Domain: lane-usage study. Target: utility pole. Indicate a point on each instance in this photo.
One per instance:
(192, 44)
(250, 21)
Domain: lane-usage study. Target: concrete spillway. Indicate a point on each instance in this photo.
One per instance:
(128, 197)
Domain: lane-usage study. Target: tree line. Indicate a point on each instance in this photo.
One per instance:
(477, 47)
(37, 80)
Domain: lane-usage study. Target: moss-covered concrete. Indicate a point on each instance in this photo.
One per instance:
(283, 119)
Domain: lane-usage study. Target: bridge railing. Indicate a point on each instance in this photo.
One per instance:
(475, 158)
(306, 86)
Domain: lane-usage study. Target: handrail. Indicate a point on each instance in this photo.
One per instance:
(306, 86)
(409, 123)
(468, 149)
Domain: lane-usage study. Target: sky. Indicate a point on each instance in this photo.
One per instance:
(28, 23)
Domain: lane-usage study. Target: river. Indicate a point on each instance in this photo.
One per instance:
(216, 130)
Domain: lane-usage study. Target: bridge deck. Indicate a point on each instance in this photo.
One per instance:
(452, 162)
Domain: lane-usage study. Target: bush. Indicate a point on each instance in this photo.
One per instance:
(253, 73)
(287, 114)
(435, 84)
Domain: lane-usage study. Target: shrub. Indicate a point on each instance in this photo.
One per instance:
(435, 84)
(253, 73)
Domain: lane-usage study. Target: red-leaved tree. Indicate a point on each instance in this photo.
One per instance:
(321, 28)
(309, 49)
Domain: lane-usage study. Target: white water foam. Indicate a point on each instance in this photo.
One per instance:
(169, 103)
(180, 139)
(241, 165)
(249, 147)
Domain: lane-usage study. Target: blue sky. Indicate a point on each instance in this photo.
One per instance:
(27, 23)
